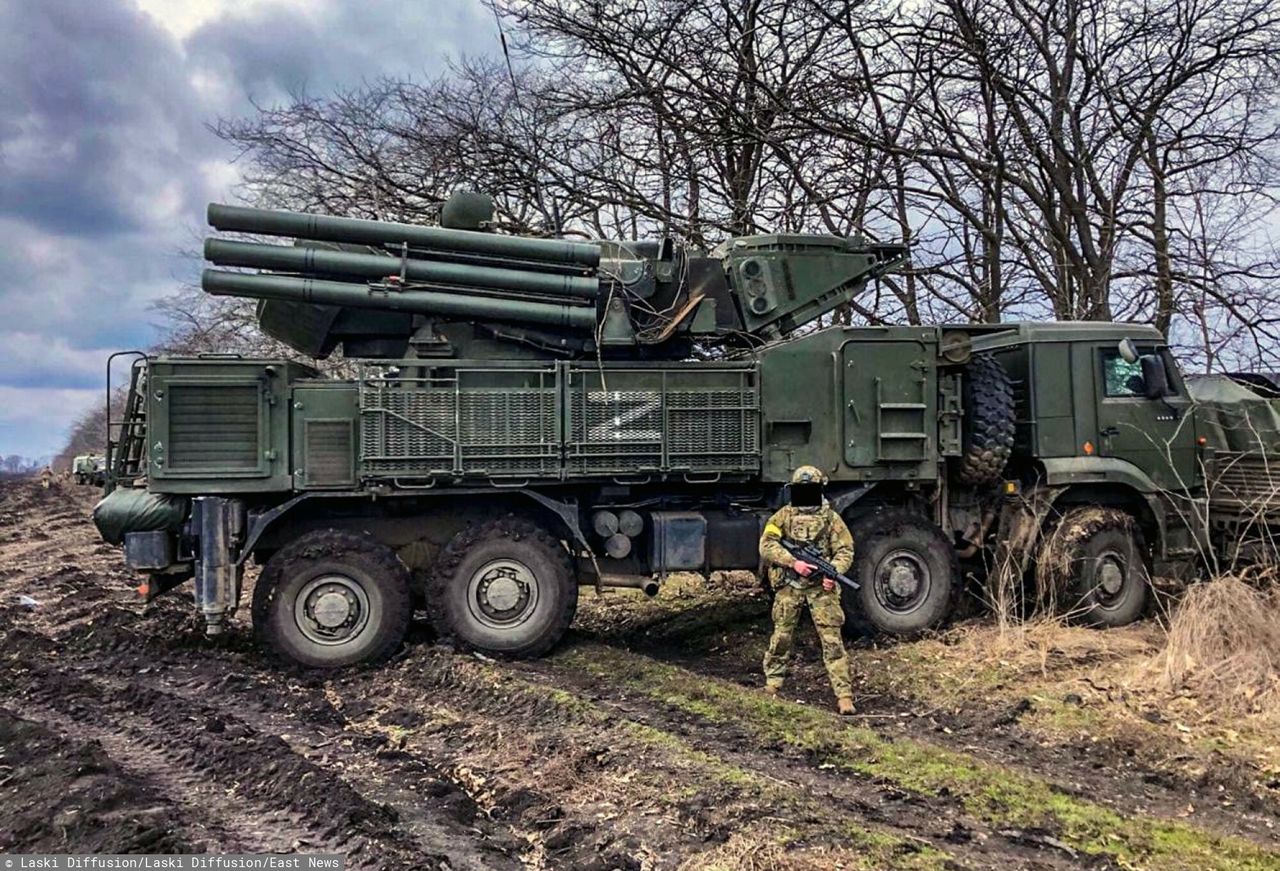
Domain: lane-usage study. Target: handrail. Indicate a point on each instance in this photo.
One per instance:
(110, 482)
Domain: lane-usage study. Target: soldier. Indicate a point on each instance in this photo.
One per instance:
(46, 477)
(807, 519)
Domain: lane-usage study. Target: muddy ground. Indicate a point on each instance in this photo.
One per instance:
(642, 742)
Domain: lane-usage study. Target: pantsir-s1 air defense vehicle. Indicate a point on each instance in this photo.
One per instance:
(519, 416)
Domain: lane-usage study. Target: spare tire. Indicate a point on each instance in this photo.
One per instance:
(988, 421)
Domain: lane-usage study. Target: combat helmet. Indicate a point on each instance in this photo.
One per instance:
(806, 488)
(809, 475)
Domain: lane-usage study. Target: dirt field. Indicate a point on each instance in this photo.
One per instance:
(643, 742)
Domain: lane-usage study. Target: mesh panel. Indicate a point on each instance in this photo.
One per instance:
(423, 431)
(655, 422)
(678, 429)
(328, 461)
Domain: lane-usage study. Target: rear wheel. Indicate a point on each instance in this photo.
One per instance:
(907, 571)
(1091, 562)
(331, 599)
(505, 587)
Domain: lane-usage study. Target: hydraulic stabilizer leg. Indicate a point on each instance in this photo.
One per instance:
(219, 525)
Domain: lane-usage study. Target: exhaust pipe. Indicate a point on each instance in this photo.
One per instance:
(631, 582)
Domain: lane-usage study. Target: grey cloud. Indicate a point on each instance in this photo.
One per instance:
(97, 125)
(272, 51)
(105, 159)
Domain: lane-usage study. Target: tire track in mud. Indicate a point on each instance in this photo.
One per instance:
(205, 823)
(252, 786)
(62, 794)
(169, 709)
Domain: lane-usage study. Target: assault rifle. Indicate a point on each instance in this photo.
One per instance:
(814, 557)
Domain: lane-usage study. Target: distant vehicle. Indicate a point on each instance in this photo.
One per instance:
(89, 469)
(527, 415)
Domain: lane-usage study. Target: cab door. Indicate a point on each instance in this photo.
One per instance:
(1156, 435)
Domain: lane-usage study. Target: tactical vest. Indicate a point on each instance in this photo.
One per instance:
(804, 526)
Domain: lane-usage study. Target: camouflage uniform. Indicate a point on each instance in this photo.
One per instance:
(828, 532)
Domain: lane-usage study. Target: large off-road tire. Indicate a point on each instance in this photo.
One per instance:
(989, 420)
(1090, 566)
(332, 598)
(908, 574)
(506, 587)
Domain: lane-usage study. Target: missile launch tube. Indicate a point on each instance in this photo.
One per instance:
(285, 258)
(459, 305)
(327, 228)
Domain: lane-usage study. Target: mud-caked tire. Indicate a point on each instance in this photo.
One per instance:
(1090, 567)
(908, 574)
(506, 587)
(989, 421)
(331, 599)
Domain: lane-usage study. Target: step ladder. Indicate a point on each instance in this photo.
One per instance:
(126, 452)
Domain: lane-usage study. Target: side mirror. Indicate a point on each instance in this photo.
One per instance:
(1155, 376)
(1128, 351)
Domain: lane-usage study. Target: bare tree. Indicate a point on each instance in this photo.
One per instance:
(1044, 158)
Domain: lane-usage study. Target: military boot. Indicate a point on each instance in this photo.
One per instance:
(844, 705)
(772, 689)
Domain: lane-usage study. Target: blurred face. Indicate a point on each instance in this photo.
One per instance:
(806, 495)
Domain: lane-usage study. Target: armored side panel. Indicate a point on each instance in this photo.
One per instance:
(219, 425)
(462, 419)
(1239, 417)
(325, 435)
(860, 403)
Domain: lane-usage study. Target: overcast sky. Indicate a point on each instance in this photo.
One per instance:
(106, 164)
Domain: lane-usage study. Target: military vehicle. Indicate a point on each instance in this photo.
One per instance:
(89, 469)
(515, 417)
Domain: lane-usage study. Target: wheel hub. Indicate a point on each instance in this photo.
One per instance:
(902, 581)
(1110, 575)
(503, 593)
(332, 609)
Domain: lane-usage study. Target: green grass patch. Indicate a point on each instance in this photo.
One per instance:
(1000, 796)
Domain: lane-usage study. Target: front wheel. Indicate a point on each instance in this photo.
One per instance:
(907, 571)
(1093, 558)
(505, 587)
(331, 599)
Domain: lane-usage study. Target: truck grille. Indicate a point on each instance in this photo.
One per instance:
(213, 426)
(1245, 483)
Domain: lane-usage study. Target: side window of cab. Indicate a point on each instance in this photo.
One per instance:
(1121, 378)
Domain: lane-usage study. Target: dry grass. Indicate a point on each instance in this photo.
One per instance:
(1223, 645)
(1045, 644)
